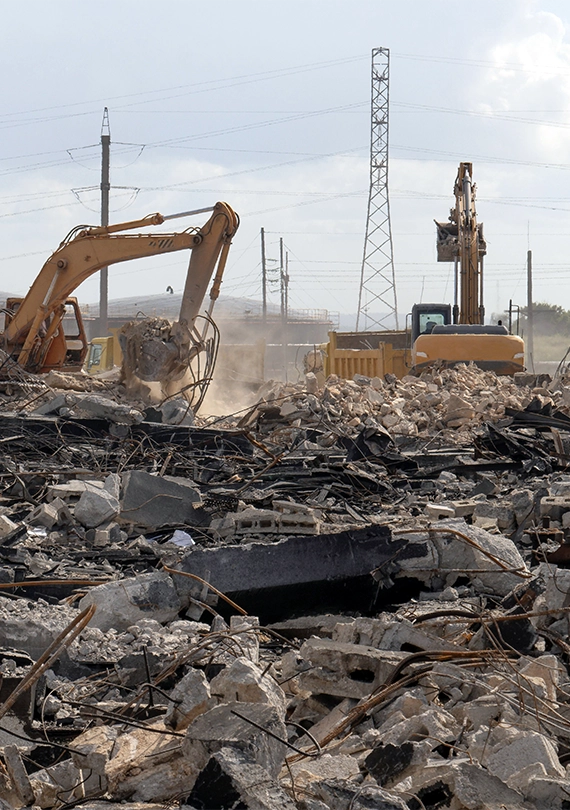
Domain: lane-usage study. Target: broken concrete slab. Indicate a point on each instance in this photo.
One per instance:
(231, 780)
(229, 726)
(190, 697)
(153, 501)
(125, 602)
(244, 681)
(97, 505)
(272, 576)
(101, 407)
(329, 667)
(152, 767)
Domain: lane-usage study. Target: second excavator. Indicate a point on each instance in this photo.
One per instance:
(445, 336)
(154, 351)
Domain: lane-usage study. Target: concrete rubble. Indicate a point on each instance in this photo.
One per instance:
(352, 594)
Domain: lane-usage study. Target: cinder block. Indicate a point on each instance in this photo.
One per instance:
(439, 511)
(554, 506)
(463, 508)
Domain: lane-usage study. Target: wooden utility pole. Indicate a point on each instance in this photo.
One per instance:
(529, 312)
(263, 279)
(105, 189)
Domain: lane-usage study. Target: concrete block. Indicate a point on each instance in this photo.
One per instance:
(439, 511)
(458, 410)
(545, 668)
(487, 523)
(522, 502)
(544, 791)
(473, 787)
(189, 698)
(432, 723)
(70, 491)
(177, 412)
(342, 670)
(504, 515)
(554, 506)
(311, 383)
(464, 507)
(244, 681)
(18, 774)
(527, 748)
(286, 520)
(96, 506)
(123, 603)
(231, 780)
(308, 771)
(62, 782)
(557, 581)
(43, 515)
(287, 409)
(54, 404)
(387, 633)
(153, 502)
(560, 487)
(6, 526)
(94, 747)
(100, 407)
(224, 726)
(146, 767)
(342, 795)
(458, 556)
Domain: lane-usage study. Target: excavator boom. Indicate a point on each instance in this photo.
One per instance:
(33, 334)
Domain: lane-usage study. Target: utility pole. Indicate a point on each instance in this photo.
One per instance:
(529, 311)
(284, 283)
(263, 280)
(105, 188)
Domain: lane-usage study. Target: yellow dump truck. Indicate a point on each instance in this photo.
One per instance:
(372, 354)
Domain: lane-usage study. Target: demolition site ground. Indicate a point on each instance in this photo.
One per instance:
(349, 596)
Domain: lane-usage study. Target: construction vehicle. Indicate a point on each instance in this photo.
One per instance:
(103, 353)
(153, 350)
(445, 336)
(371, 354)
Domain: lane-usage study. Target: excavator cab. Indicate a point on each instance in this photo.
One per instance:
(425, 317)
(61, 341)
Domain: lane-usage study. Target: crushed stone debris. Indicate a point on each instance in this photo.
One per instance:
(349, 594)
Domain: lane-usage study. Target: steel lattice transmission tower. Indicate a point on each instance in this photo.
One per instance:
(377, 307)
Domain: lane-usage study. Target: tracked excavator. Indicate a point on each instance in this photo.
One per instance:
(445, 336)
(176, 356)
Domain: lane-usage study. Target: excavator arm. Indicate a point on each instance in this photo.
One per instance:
(32, 328)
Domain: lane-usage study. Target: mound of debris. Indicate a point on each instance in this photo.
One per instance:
(350, 596)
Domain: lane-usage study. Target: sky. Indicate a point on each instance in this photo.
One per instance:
(266, 105)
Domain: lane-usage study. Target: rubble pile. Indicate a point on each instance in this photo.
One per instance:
(349, 595)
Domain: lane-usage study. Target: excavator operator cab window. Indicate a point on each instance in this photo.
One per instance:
(425, 317)
(430, 319)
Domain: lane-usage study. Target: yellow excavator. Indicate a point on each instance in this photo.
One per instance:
(444, 336)
(154, 350)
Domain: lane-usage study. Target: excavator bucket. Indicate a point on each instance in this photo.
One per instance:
(149, 352)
